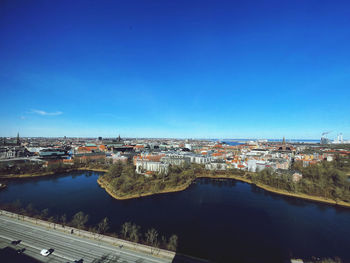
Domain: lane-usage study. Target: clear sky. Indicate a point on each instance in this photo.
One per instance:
(195, 69)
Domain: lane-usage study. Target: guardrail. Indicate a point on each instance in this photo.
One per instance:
(94, 236)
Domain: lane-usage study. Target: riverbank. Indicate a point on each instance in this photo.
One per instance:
(184, 186)
(26, 175)
(105, 186)
(279, 191)
(235, 177)
(30, 175)
(304, 196)
(92, 169)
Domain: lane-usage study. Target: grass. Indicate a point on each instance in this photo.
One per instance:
(117, 196)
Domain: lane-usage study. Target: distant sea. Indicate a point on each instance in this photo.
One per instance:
(237, 141)
(232, 143)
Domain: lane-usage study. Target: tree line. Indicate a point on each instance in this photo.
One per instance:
(59, 167)
(324, 179)
(123, 179)
(128, 231)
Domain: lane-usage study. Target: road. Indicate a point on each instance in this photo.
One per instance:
(34, 159)
(67, 248)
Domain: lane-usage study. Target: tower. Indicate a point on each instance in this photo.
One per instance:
(18, 141)
(284, 144)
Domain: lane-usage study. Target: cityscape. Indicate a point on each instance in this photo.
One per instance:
(156, 155)
(159, 131)
(134, 168)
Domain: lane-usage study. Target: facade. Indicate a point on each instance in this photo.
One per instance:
(216, 166)
(200, 159)
(143, 166)
(8, 152)
(176, 159)
(296, 177)
(84, 157)
(49, 153)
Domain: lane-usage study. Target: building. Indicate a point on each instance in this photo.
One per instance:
(7, 152)
(216, 166)
(143, 166)
(93, 156)
(296, 177)
(176, 159)
(200, 159)
(52, 153)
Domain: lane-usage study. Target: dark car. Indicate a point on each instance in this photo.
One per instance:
(16, 242)
(20, 251)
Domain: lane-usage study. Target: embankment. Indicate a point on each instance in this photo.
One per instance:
(235, 177)
(30, 175)
(108, 189)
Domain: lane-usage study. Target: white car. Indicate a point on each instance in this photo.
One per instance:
(46, 252)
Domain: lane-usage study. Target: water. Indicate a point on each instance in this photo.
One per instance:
(224, 221)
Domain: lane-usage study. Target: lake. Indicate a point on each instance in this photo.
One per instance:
(219, 220)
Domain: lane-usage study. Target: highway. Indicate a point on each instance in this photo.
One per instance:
(67, 247)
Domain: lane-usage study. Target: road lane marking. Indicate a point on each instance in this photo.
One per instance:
(31, 246)
(80, 239)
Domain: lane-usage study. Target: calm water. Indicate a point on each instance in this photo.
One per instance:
(225, 221)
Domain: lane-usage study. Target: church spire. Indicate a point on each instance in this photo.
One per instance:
(18, 141)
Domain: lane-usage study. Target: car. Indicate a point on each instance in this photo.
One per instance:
(20, 251)
(78, 261)
(46, 252)
(16, 242)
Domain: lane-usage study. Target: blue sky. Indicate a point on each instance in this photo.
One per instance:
(194, 69)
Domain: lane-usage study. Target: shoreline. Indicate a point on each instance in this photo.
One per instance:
(134, 196)
(26, 175)
(185, 186)
(280, 191)
(32, 175)
(234, 177)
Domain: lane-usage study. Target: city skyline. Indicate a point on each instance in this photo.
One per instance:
(180, 70)
(331, 138)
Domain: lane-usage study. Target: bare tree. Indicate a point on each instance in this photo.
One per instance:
(172, 245)
(64, 219)
(134, 233)
(80, 219)
(44, 213)
(126, 228)
(103, 226)
(152, 237)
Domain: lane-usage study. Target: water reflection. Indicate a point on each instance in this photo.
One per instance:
(221, 220)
